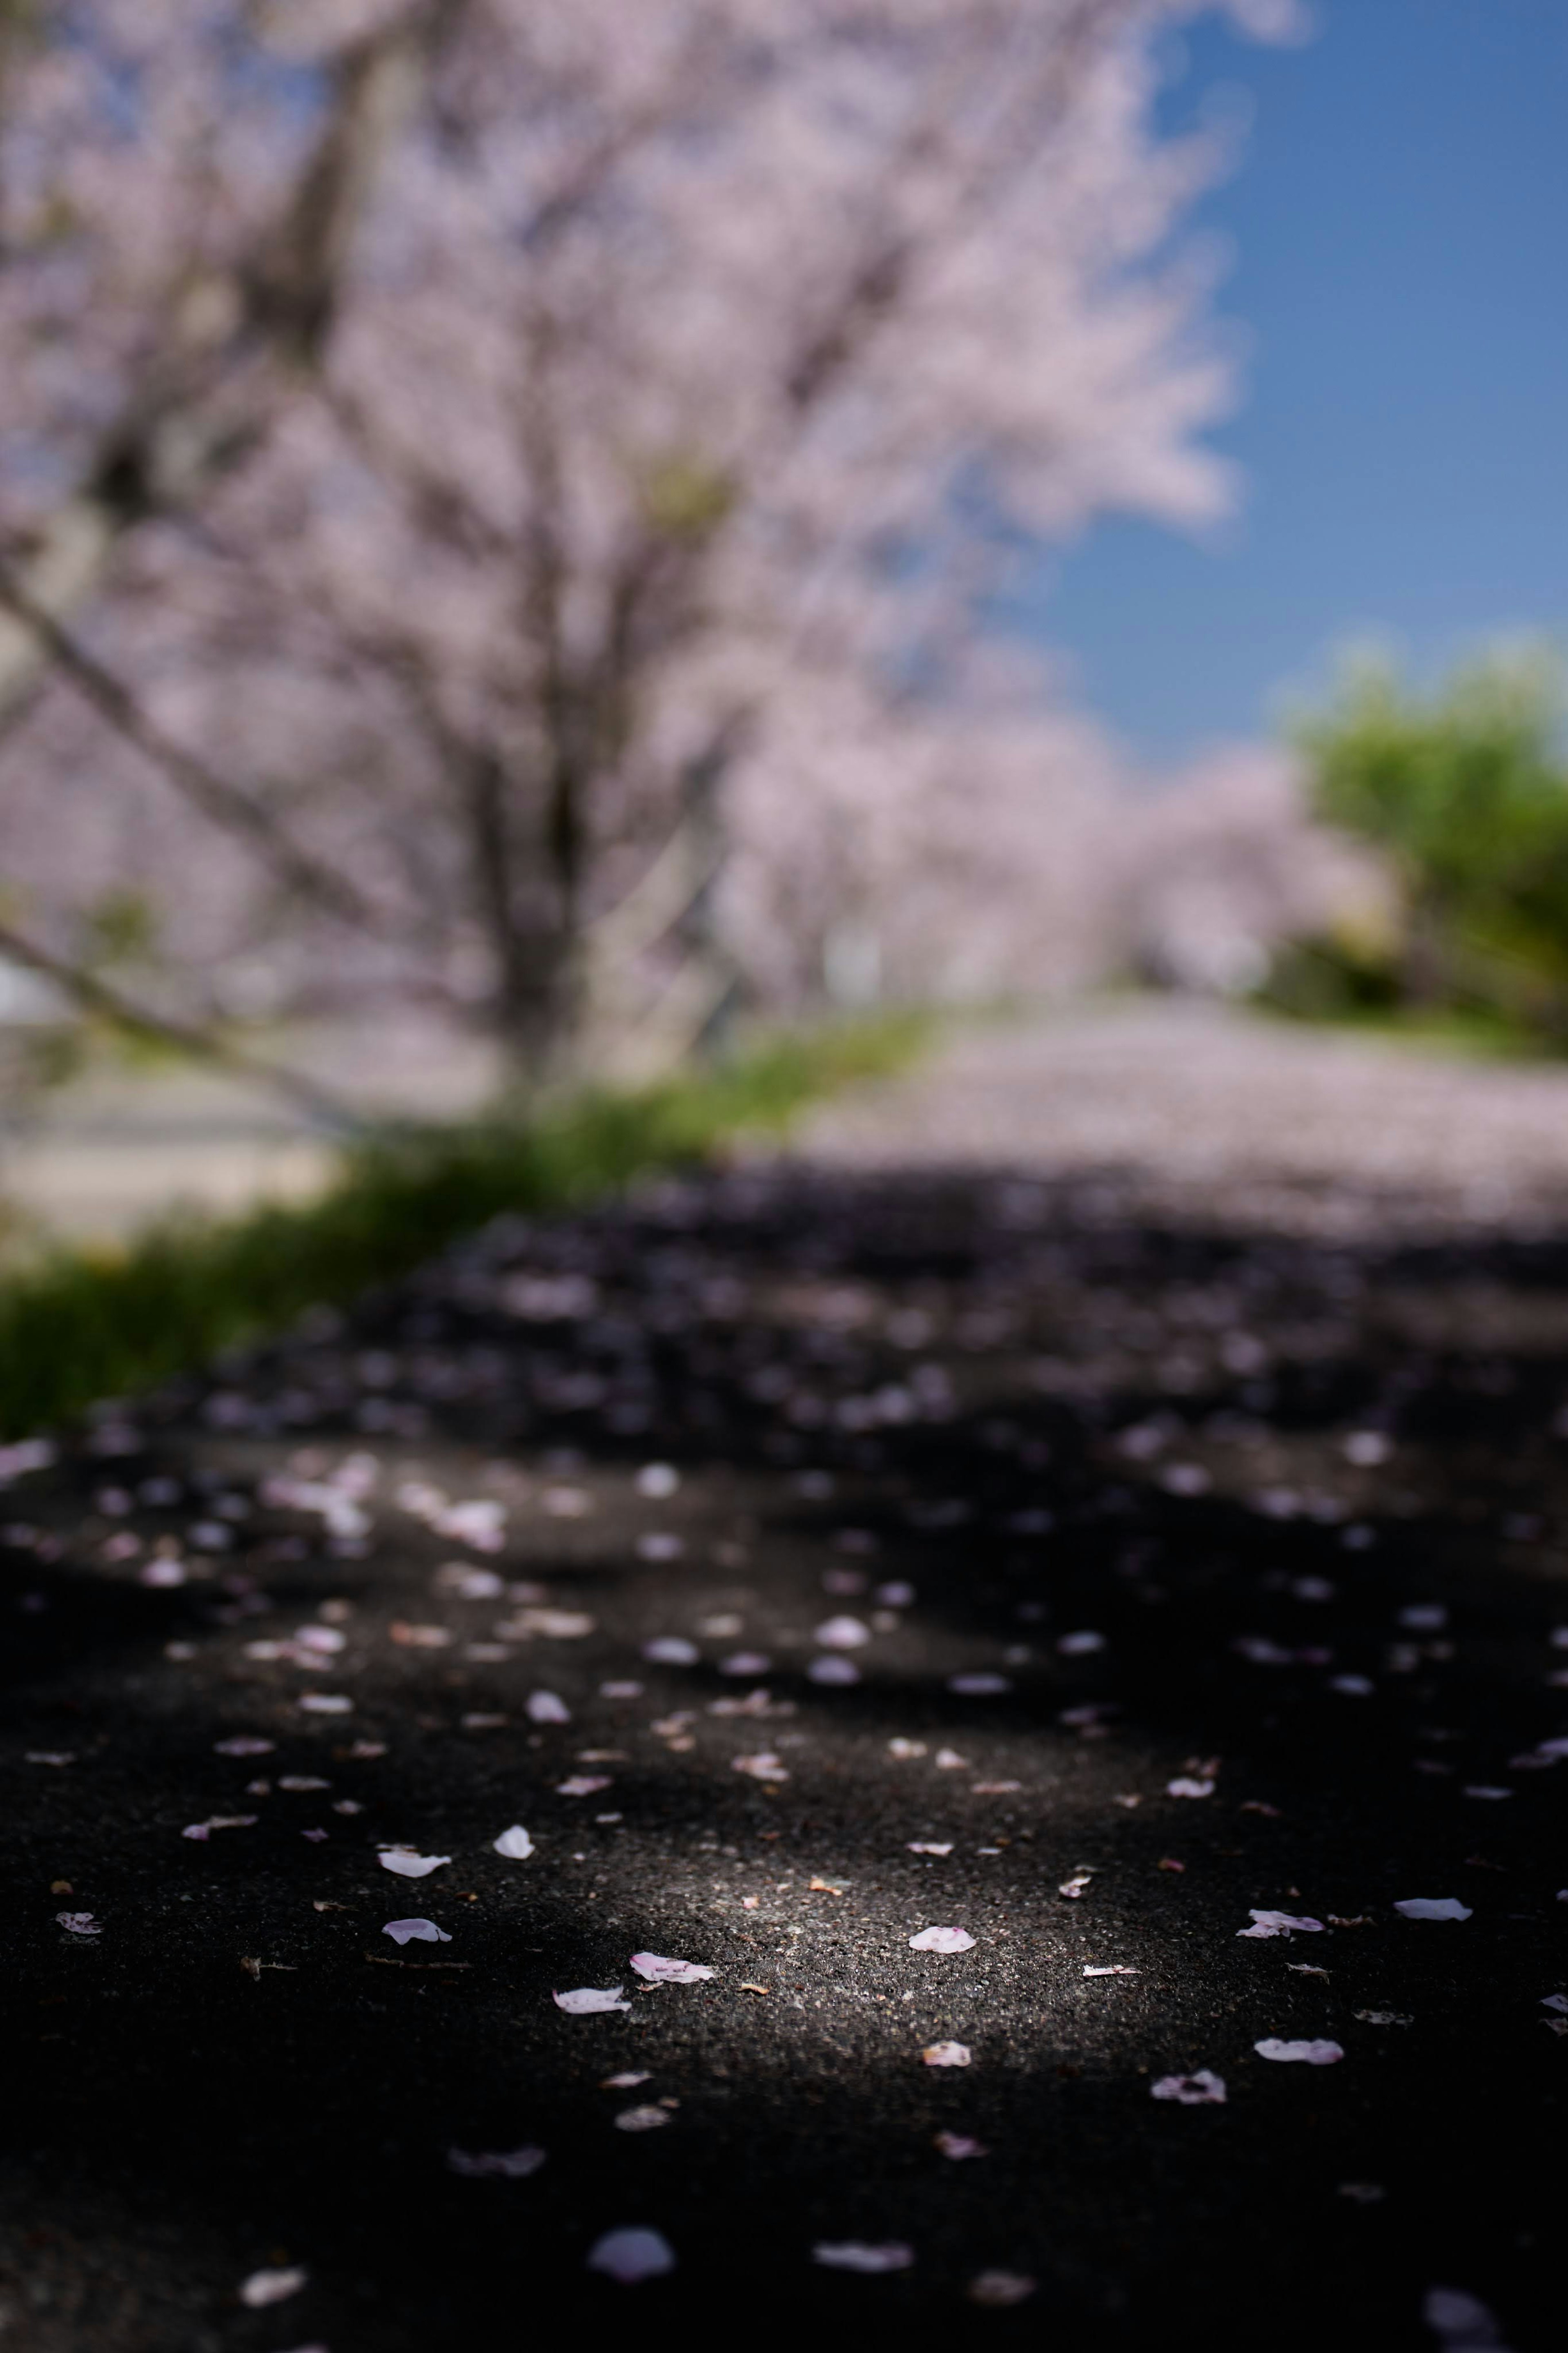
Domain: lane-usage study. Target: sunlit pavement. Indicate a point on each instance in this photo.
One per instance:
(805, 1562)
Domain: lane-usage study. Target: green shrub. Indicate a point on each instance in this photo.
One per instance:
(1466, 792)
(97, 1323)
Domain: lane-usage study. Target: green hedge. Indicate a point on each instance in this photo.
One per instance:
(89, 1323)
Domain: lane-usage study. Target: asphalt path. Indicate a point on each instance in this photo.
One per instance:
(805, 1562)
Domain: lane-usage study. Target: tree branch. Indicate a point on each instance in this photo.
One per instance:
(110, 1004)
(216, 799)
(212, 397)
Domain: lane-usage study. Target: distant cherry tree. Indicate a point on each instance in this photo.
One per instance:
(501, 496)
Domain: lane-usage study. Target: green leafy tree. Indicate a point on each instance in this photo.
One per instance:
(1466, 791)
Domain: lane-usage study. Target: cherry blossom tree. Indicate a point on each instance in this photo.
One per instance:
(505, 496)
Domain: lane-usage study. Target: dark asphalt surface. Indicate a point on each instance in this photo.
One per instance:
(1171, 1496)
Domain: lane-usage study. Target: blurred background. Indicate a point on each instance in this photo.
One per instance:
(538, 539)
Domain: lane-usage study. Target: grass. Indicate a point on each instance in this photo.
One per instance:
(89, 1323)
(1480, 1035)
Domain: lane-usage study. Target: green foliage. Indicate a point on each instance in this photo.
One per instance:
(1327, 979)
(685, 498)
(90, 1324)
(1466, 791)
(120, 927)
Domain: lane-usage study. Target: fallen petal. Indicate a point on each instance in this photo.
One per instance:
(638, 2120)
(1433, 1907)
(1279, 1923)
(408, 1863)
(842, 1634)
(833, 1671)
(941, 1940)
(631, 2255)
(999, 2289)
(1202, 2089)
(510, 2165)
(959, 2145)
(584, 2001)
(515, 1844)
(659, 1971)
(1311, 2053)
(265, 2288)
(854, 2255)
(422, 1932)
(1461, 2323)
(671, 1650)
(946, 2054)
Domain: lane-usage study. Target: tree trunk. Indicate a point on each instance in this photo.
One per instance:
(533, 922)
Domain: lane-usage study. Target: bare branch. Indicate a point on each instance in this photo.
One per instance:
(110, 1004)
(212, 397)
(216, 799)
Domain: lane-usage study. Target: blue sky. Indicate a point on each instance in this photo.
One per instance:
(1398, 223)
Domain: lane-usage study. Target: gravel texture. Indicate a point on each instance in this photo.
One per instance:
(1122, 1492)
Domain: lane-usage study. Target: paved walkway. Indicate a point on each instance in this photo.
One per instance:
(973, 1746)
(1193, 1110)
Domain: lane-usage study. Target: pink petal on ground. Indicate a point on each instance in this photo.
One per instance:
(1184, 1786)
(1311, 2053)
(77, 1923)
(945, 2054)
(959, 2145)
(1279, 1923)
(1203, 2089)
(1000, 2289)
(514, 1843)
(1461, 2323)
(409, 1864)
(941, 1940)
(586, 2002)
(582, 1785)
(508, 2164)
(841, 1634)
(1433, 1907)
(854, 2255)
(422, 1932)
(265, 2288)
(244, 1743)
(631, 2255)
(659, 1971)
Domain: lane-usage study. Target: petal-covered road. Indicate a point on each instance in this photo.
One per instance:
(905, 1753)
